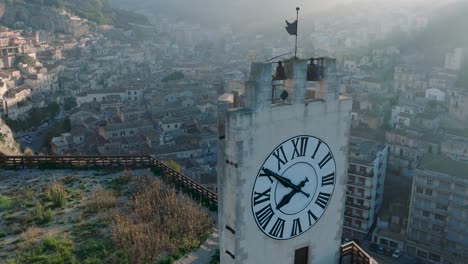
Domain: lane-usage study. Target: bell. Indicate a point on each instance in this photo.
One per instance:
(284, 95)
(280, 74)
(314, 71)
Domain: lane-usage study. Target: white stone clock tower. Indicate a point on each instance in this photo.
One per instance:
(282, 166)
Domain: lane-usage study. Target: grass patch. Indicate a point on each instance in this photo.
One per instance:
(52, 250)
(6, 203)
(42, 215)
(56, 193)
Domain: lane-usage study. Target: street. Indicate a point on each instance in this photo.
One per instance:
(383, 259)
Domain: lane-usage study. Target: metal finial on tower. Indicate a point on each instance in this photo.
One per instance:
(291, 28)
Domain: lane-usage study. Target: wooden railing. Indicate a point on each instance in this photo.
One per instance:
(351, 253)
(109, 162)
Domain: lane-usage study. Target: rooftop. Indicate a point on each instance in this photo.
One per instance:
(445, 165)
(364, 150)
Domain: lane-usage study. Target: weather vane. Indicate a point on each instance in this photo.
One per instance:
(291, 28)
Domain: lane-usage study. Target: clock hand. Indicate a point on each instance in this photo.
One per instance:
(287, 198)
(285, 181)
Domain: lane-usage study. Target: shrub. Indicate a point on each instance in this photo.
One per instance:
(101, 199)
(52, 250)
(158, 221)
(42, 215)
(31, 235)
(6, 203)
(56, 193)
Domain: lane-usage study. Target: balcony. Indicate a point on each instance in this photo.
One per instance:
(352, 253)
(361, 173)
(359, 184)
(351, 215)
(362, 207)
(358, 195)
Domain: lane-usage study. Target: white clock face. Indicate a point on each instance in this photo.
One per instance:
(293, 187)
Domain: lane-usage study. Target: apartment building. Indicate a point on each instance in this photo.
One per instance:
(438, 226)
(367, 162)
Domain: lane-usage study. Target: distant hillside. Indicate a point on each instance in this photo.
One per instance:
(38, 13)
(446, 31)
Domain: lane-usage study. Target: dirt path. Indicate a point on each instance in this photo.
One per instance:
(204, 253)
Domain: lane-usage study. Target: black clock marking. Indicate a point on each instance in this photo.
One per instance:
(325, 160)
(316, 149)
(296, 228)
(280, 156)
(264, 216)
(328, 179)
(278, 228)
(322, 199)
(302, 147)
(309, 215)
(262, 196)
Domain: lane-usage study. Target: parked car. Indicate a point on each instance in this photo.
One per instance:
(381, 249)
(396, 254)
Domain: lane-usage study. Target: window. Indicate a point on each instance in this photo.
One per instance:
(168, 126)
(437, 228)
(429, 181)
(135, 93)
(301, 256)
(434, 257)
(175, 125)
(129, 93)
(419, 189)
(428, 192)
(426, 213)
(440, 217)
(441, 206)
(421, 254)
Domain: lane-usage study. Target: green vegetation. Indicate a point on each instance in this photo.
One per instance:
(57, 130)
(52, 250)
(56, 194)
(24, 59)
(42, 215)
(175, 76)
(6, 203)
(36, 117)
(99, 11)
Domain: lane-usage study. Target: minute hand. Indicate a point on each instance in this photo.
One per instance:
(285, 182)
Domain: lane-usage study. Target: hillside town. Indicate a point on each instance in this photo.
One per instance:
(157, 90)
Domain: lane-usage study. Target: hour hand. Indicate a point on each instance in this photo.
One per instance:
(284, 181)
(287, 198)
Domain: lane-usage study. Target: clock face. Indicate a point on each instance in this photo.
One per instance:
(293, 187)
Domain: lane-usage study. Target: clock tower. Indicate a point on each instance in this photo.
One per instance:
(282, 158)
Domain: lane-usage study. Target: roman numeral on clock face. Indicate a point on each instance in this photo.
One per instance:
(311, 215)
(325, 160)
(280, 156)
(322, 199)
(296, 228)
(300, 146)
(261, 197)
(328, 179)
(278, 228)
(264, 216)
